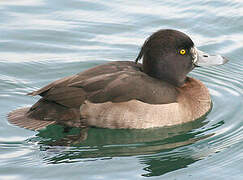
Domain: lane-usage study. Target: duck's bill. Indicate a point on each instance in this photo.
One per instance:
(204, 59)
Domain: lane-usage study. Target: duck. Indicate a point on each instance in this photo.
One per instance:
(128, 94)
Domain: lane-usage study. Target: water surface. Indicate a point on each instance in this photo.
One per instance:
(41, 41)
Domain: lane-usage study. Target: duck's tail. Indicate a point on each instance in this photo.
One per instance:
(20, 118)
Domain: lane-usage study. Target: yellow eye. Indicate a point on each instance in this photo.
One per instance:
(182, 51)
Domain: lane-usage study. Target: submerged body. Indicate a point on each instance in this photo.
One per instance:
(126, 94)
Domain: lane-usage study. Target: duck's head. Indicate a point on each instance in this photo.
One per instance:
(170, 55)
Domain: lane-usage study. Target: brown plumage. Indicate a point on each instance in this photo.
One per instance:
(61, 100)
(125, 94)
(20, 118)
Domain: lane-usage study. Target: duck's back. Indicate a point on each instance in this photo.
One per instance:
(113, 82)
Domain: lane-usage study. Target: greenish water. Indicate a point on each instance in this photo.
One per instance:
(41, 41)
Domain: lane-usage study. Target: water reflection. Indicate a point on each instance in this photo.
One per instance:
(153, 147)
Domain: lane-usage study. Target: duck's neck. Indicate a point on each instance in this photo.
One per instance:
(163, 71)
(171, 78)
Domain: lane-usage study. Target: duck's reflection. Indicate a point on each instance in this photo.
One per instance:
(71, 145)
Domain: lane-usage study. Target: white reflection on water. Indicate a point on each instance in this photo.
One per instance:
(9, 177)
(13, 139)
(15, 154)
(22, 2)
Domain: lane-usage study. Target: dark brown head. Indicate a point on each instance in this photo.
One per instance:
(170, 55)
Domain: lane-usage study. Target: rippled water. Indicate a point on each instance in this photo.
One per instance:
(41, 41)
